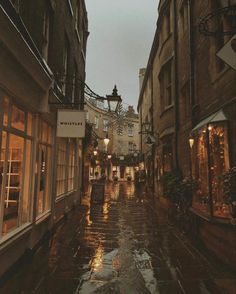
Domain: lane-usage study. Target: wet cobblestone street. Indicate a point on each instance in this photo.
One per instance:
(119, 247)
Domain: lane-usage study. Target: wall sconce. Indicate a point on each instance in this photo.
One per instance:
(109, 156)
(95, 152)
(191, 142)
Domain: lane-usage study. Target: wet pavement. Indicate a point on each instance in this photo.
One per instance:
(121, 247)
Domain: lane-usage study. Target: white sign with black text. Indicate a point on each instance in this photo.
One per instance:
(71, 123)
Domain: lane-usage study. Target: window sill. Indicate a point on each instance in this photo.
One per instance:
(44, 216)
(15, 235)
(167, 108)
(213, 220)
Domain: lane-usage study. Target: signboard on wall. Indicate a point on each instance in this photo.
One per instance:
(71, 123)
(228, 52)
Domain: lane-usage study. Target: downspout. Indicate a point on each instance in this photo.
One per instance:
(191, 60)
(176, 82)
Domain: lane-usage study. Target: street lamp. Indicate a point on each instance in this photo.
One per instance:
(106, 141)
(113, 100)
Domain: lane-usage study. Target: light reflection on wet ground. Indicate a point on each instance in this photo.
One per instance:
(121, 247)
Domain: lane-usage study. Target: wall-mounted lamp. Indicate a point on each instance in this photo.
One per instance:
(95, 152)
(109, 156)
(113, 100)
(191, 142)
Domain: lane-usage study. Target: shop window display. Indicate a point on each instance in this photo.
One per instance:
(61, 167)
(208, 167)
(44, 168)
(71, 167)
(15, 168)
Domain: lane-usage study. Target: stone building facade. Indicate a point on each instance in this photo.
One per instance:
(42, 55)
(123, 145)
(189, 93)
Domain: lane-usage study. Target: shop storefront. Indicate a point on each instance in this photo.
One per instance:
(210, 157)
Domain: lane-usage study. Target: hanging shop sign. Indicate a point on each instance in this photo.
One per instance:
(228, 52)
(71, 123)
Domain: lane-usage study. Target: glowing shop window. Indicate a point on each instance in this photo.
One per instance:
(13, 184)
(18, 119)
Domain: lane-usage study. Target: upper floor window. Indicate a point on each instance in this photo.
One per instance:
(96, 122)
(130, 130)
(165, 79)
(131, 147)
(105, 125)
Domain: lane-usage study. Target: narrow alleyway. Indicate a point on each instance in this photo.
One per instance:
(119, 247)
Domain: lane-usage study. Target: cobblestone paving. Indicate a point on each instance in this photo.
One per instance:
(120, 247)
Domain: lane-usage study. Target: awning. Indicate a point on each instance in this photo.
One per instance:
(214, 118)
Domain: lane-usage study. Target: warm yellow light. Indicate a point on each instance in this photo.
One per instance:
(109, 156)
(95, 152)
(106, 141)
(191, 142)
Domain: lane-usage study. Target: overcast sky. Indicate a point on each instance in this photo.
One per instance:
(121, 35)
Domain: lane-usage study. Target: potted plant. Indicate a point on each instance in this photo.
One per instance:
(229, 181)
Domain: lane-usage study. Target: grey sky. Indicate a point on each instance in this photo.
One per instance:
(121, 35)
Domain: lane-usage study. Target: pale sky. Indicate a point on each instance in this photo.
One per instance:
(120, 40)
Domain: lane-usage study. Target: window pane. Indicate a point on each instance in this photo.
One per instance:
(61, 167)
(2, 163)
(42, 178)
(200, 172)
(29, 124)
(26, 189)
(71, 167)
(18, 119)
(219, 164)
(5, 111)
(13, 183)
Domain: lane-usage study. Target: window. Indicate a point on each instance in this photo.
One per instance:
(131, 147)
(61, 167)
(105, 125)
(96, 122)
(165, 79)
(44, 167)
(71, 166)
(15, 167)
(130, 130)
(214, 136)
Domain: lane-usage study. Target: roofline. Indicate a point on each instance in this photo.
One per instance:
(149, 65)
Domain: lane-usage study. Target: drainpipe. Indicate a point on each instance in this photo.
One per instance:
(176, 82)
(191, 59)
